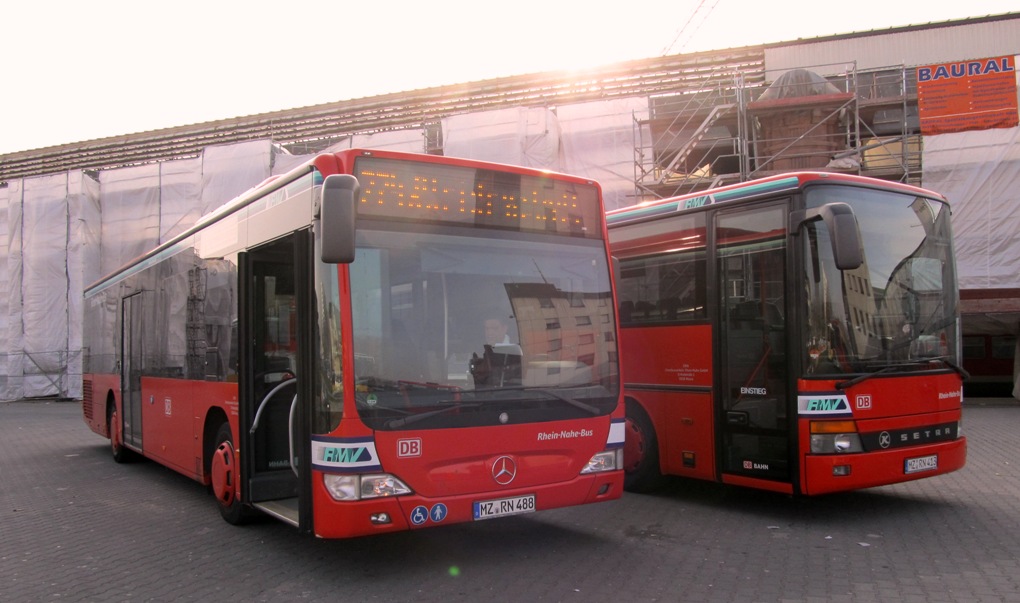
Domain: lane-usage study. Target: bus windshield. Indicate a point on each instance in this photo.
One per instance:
(898, 308)
(454, 329)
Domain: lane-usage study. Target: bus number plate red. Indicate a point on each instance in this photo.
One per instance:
(487, 509)
(921, 463)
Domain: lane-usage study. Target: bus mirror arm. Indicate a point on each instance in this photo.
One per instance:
(844, 233)
(338, 215)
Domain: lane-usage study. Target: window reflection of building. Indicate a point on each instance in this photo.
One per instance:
(563, 335)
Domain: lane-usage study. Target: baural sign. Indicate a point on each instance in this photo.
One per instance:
(967, 95)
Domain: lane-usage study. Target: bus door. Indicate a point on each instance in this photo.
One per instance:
(132, 350)
(273, 405)
(753, 408)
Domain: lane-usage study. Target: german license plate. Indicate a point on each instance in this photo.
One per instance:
(921, 463)
(487, 509)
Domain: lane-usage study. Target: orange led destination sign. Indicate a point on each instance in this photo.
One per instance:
(967, 95)
(434, 193)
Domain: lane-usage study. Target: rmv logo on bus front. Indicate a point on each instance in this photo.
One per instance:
(824, 405)
(345, 455)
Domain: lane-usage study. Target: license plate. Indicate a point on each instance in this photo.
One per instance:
(922, 463)
(487, 509)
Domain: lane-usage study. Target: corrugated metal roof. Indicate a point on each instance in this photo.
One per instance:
(395, 111)
(914, 45)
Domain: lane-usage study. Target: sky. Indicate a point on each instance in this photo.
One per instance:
(76, 71)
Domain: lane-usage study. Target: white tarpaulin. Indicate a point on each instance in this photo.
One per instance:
(979, 172)
(5, 284)
(43, 284)
(528, 137)
(82, 256)
(130, 214)
(15, 333)
(598, 143)
(229, 170)
(180, 188)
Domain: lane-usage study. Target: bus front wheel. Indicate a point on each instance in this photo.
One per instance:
(640, 452)
(120, 453)
(224, 477)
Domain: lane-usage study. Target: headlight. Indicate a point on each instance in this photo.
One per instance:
(835, 443)
(607, 460)
(360, 487)
(835, 437)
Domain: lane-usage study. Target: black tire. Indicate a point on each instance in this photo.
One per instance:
(225, 459)
(120, 452)
(641, 452)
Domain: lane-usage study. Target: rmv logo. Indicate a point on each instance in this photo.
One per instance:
(345, 455)
(825, 404)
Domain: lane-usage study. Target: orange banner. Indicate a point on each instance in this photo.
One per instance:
(968, 95)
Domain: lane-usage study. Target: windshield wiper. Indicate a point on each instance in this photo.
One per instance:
(959, 370)
(860, 378)
(895, 367)
(394, 423)
(547, 391)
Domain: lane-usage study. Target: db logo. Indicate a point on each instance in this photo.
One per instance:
(863, 402)
(409, 447)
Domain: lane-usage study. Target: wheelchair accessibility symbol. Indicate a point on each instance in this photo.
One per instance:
(421, 514)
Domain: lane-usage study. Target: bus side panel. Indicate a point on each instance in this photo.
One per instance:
(168, 435)
(668, 356)
(94, 408)
(173, 418)
(661, 363)
(683, 425)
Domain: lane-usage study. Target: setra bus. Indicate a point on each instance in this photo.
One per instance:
(316, 349)
(798, 333)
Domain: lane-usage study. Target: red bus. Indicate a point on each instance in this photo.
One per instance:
(989, 360)
(315, 349)
(798, 333)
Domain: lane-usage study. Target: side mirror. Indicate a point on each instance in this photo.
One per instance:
(844, 232)
(338, 217)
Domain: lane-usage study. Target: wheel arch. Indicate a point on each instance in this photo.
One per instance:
(642, 449)
(109, 406)
(213, 419)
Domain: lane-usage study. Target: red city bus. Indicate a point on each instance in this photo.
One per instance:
(798, 333)
(315, 349)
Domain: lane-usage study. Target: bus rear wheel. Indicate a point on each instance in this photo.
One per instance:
(224, 476)
(640, 452)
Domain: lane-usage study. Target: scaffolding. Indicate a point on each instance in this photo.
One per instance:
(862, 122)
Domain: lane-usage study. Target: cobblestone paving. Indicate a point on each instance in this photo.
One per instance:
(75, 526)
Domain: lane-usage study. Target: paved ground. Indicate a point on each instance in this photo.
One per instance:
(75, 526)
